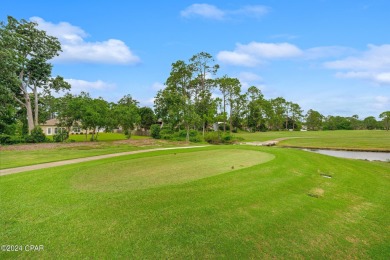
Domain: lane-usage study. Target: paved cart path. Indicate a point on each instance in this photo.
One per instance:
(85, 159)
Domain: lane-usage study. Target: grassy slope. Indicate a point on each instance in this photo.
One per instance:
(361, 140)
(262, 211)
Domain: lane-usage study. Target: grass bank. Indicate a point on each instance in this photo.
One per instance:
(243, 202)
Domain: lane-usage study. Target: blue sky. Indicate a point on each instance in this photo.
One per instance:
(329, 55)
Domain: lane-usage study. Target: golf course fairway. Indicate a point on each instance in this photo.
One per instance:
(235, 202)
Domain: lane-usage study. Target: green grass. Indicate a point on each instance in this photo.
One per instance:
(353, 139)
(165, 169)
(12, 159)
(102, 137)
(281, 208)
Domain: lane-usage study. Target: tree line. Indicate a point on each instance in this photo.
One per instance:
(188, 102)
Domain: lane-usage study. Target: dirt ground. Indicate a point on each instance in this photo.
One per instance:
(44, 146)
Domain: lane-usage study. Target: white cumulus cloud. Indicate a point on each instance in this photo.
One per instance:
(76, 49)
(248, 79)
(327, 52)
(249, 76)
(158, 86)
(212, 12)
(255, 53)
(372, 65)
(79, 85)
(382, 102)
(203, 10)
(376, 57)
(381, 78)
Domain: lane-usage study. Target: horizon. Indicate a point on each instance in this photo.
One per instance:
(333, 57)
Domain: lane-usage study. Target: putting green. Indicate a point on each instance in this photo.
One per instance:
(175, 168)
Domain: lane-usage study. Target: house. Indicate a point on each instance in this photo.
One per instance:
(51, 127)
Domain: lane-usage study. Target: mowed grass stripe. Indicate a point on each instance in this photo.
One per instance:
(168, 169)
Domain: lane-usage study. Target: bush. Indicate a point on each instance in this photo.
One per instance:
(127, 133)
(5, 139)
(36, 136)
(220, 138)
(220, 127)
(181, 135)
(213, 137)
(155, 131)
(61, 136)
(166, 134)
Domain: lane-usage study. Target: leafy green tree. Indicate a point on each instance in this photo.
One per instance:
(385, 119)
(69, 110)
(181, 91)
(314, 120)
(279, 112)
(148, 117)
(26, 50)
(337, 123)
(222, 84)
(127, 114)
(202, 65)
(155, 131)
(355, 122)
(255, 109)
(238, 111)
(230, 89)
(296, 114)
(370, 123)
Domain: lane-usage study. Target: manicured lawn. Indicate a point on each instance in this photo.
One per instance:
(354, 139)
(234, 202)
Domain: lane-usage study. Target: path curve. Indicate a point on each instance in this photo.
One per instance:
(85, 159)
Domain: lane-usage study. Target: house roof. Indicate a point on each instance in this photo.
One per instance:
(51, 122)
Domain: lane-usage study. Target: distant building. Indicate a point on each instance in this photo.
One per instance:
(51, 127)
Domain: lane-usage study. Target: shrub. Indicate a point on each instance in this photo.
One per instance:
(155, 131)
(220, 127)
(181, 135)
(61, 136)
(166, 133)
(220, 138)
(127, 133)
(213, 137)
(5, 139)
(36, 136)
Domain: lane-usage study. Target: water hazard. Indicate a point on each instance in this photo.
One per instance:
(370, 156)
